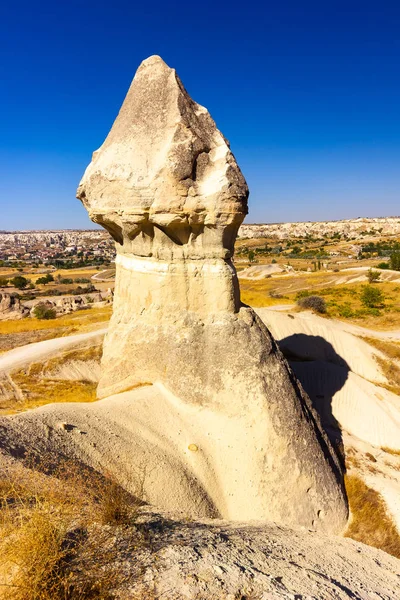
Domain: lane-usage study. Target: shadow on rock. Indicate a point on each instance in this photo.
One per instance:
(322, 373)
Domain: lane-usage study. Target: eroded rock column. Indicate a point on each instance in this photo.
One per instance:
(168, 189)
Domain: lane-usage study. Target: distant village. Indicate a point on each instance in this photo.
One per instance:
(57, 248)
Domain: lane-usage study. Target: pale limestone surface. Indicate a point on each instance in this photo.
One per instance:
(167, 187)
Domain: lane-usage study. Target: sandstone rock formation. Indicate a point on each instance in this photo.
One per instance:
(167, 187)
(69, 304)
(11, 307)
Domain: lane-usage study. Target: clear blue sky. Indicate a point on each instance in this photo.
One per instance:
(308, 93)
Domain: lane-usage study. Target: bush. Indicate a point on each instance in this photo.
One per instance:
(383, 265)
(66, 281)
(3, 282)
(19, 282)
(395, 261)
(302, 294)
(315, 303)
(371, 297)
(41, 311)
(373, 276)
(345, 311)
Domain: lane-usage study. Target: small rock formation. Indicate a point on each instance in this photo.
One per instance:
(69, 304)
(168, 189)
(11, 307)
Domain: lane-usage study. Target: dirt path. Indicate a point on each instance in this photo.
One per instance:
(40, 350)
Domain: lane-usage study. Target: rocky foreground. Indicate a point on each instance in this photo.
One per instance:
(158, 554)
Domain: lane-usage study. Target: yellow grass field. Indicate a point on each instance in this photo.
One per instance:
(343, 300)
(79, 321)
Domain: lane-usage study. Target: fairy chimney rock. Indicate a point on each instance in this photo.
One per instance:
(168, 189)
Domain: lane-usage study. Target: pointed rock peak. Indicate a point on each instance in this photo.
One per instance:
(165, 165)
(152, 61)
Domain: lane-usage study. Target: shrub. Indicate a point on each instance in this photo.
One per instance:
(383, 265)
(345, 311)
(302, 294)
(315, 303)
(66, 281)
(19, 282)
(3, 282)
(41, 311)
(373, 276)
(371, 297)
(395, 261)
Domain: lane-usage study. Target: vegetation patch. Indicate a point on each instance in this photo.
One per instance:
(315, 303)
(39, 384)
(392, 451)
(52, 545)
(69, 323)
(370, 521)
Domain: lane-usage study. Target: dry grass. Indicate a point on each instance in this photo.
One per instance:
(49, 391)
(370, 522)
(70, 323)
(391, 349)
(342, 296)
(392, 373)
(392, 451)
(352, 461)
(51, 547)
(39, 384)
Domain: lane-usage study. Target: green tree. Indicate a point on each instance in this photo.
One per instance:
(371, 297)
(373, 276)
(395, 261)
(19, 282)
(46, 279)
(41, 281)
(251, 256)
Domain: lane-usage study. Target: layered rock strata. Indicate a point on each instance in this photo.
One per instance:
(167, 187)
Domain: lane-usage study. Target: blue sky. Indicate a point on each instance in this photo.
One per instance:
(308, 93)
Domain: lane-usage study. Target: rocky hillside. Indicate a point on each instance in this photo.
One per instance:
(352, 228)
